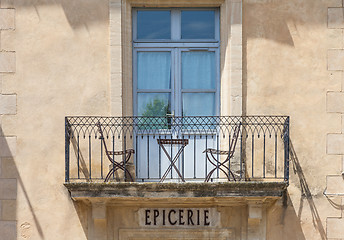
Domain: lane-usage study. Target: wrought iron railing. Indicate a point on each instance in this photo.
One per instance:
(212, 148)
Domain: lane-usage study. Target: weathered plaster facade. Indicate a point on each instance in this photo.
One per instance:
(8, 140)
(60, 58)
(334, 188)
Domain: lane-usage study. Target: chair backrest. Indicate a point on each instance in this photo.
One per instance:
(102, 136)
(234, 139)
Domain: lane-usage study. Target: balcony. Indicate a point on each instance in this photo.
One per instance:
(209, 156)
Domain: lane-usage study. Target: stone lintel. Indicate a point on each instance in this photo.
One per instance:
(177, 3)
(210, 234)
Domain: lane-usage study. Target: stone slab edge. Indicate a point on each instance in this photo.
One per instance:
(176, 190)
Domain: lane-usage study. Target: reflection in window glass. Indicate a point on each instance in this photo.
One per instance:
(198, 104)
(154, 104)
(154, 70)
(198, 70)
(153, 24)
(198, 24)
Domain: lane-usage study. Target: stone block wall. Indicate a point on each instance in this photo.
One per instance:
(335, 105)
(116, 57)
(8, 110)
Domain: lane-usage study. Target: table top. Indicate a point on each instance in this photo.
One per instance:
(173, 141)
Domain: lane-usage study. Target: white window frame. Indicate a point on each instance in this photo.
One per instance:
(176, 45)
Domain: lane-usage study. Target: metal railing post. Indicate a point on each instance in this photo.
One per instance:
(286, 150)
(67, 144)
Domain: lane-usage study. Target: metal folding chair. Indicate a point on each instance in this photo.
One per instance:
(211, 153)
(121, 165)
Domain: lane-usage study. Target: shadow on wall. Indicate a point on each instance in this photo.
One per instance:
(285, 222)
(278, 20)
(84, 212)
(306, 194)
(79, 13)
(279, 23)
(12, 181)
(281, 15)
(83, 166)
(269, 21)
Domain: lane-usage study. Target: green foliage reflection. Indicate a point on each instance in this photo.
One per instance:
(157, 108)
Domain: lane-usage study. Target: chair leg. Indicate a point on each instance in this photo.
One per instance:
(125, 169)
(131, 177)
(112, 170)
(109, 174)
(233, 176)
(120, 166)
(209, 175)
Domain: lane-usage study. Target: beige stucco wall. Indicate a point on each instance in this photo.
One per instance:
(62, 69)
(66, 63)
(285, 45)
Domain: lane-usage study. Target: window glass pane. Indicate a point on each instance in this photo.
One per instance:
(154, 104)
(153, 24)
(198, 70)
(198, 104)
(154, 70)
(198, 24)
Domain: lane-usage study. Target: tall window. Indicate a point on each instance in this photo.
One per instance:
(176, 62)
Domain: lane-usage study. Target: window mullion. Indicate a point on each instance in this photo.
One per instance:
(177, 95)
(173, 81)
(175, 24)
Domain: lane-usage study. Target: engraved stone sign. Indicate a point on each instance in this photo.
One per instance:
(179, 217)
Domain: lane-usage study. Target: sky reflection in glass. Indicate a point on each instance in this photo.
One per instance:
(153, 24)
(198, 24)
(154, 104)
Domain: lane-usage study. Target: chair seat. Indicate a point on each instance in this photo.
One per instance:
(214, 151)
(121, 152)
